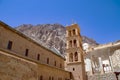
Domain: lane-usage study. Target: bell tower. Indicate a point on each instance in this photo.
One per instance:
(74, 52)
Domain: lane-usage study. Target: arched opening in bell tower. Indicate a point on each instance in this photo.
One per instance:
(71, 57)
(76, 56)
(69, 33)
(70, 43)
(75, 43)
(73, 31)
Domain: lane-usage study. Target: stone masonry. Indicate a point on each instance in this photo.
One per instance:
(107, 76)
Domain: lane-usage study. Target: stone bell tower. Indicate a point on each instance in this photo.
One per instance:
(74, 51)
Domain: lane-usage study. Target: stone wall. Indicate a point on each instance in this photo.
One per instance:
(16, 68)
(107, 76)
(119, 77)
(13, 67)
(20, 43)
(116, 60)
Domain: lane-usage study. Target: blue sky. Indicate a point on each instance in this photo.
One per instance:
(98, 19)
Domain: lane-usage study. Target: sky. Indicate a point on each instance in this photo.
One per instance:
(98, 19)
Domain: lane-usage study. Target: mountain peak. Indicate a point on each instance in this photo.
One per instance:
(50, 35)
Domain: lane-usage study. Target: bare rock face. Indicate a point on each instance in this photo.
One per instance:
(50, 35)
(116, 60)
(90, 41)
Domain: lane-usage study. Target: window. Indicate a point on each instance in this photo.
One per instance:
(70, 43)
(73, 69)
(71, 57)
(49, 78)
(76, 56)
(26, 52)
(38, 57)
(47, 60)
(55, 63)
(9, 45)
(75, 43)
(52, 78)
(69, 33)
(73, 31)
(41, 77)
(60, 65)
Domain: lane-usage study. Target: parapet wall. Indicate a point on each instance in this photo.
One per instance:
(102, 46)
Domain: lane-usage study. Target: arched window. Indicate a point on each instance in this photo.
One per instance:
(75, 43)
(76, 56)
(69, 33)
(41, 77)
(52, 78)
(71, 57)
(70, 43)
(73, 31)
(49, 78)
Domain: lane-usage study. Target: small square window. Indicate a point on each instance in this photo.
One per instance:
(26, 52)
(47, 60)
(55, 63)
(38, 57)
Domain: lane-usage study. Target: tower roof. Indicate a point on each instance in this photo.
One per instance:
(73, 26)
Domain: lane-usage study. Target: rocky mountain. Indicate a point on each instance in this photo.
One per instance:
(51, 36)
